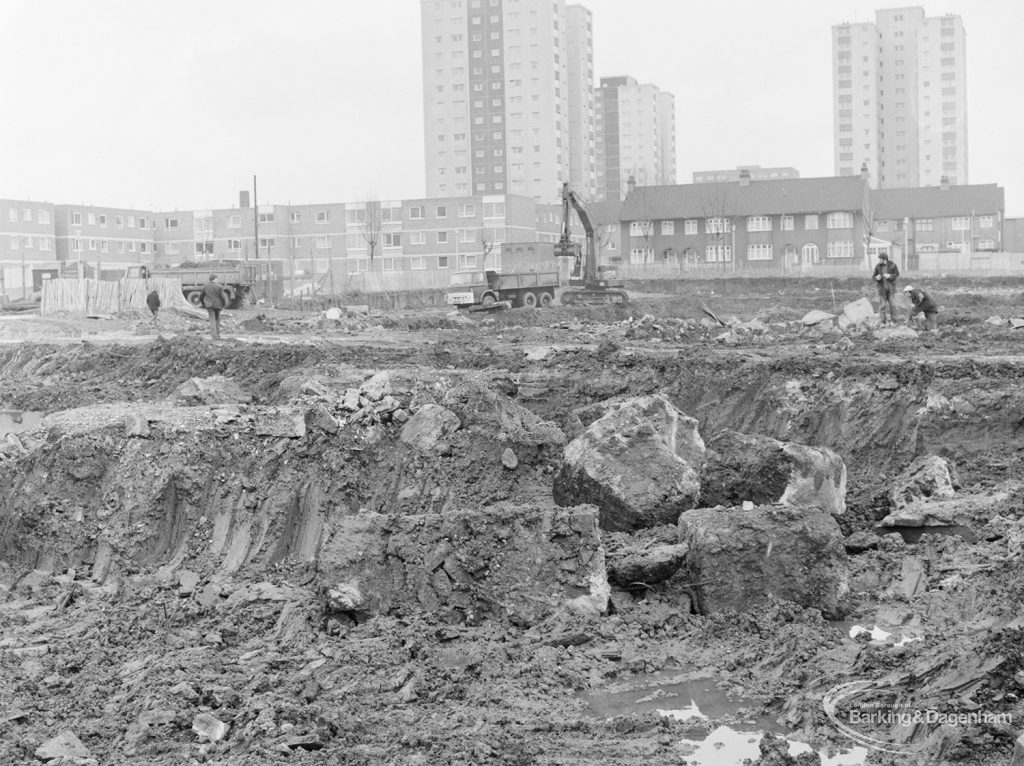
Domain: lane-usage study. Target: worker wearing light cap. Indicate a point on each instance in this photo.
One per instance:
(923, 304)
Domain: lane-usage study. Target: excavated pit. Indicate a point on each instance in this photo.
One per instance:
(304, 560)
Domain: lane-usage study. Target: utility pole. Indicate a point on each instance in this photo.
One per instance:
(312, 273)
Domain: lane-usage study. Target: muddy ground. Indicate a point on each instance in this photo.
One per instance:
(165, 557)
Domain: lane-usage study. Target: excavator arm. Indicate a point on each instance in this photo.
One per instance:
(593, 287)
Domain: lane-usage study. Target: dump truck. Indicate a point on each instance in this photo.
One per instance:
(236, 277)
(485, 288)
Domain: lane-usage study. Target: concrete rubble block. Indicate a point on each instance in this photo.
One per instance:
(378, 386)
(1016, 322)
(649, 565)
(136, 424)
(859, 312)
(927, 477)
(509, 459)
(996, 321)
(816, 317)
(209, 727)
(428, 429)
(639, 464)
(520, 563)
(1018, 752)
(738, 558)
(899, 332)
(321, 417)
(64, 746)
(350, 401)
(748, 467)
(281, 422)
(213, 390)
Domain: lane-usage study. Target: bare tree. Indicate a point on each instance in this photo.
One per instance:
(486, 239)
(868, 212)
(371, 226)
(718, 207)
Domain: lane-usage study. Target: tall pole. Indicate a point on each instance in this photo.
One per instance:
(312, 272)
(330, 268)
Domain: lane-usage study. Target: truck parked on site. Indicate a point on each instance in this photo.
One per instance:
(486, 288)
(238, 279)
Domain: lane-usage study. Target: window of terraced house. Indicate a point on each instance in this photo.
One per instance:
(759, 252)
(840, 249)
(170, 223)
(234, 245)
(639, 228)
(234, 222)
(668, 227)
(268, 242)
(961, 224)
(91, 218)
(924, 224)
(986, 221)
(810, 222)
(787, 223)
(12, 215)
(417, 263)
(467, 210)
(416, 212)
(323, 241)
(144, 223)
(44, 243)
(294, 217)
(15, 243)
(76, 218)
(718, 226)
(26, 214)
(119, 221)
(839, 221)
(689, 227)
(266, 217)
(718, 253)
(759, 223)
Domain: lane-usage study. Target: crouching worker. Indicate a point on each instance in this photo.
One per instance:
(923, 304)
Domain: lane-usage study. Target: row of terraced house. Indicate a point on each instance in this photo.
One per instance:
(783, 226)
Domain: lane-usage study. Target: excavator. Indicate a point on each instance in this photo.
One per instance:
(585, 283)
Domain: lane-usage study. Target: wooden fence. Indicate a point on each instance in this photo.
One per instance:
(98, 296)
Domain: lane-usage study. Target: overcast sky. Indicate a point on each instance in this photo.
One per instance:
(177, 103)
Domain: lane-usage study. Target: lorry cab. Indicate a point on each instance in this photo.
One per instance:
(467, 288)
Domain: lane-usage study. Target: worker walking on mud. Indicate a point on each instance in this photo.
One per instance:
(885, 275)
(153, 301)
(212, 297)
(923, 304)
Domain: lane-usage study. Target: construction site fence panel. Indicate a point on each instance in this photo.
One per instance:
(98, 296)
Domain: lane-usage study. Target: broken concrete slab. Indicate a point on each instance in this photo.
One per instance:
(738, 558)
(290, 424)
(509, 459)
(209, 727)
(378, 386)
(1016, 322)
(639, 464)
(648, 565)
(861, 541)
(859, 312)
(927, 477)
(215, 389)
(750, 467)
(899, 332)
(816, 317)
(521, 563)
(64, 746)
(427, 429)
(996, 320)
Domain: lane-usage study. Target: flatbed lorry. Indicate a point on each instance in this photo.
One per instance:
(237, 279)
(486, 288)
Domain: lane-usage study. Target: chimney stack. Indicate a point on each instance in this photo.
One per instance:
(744, 177)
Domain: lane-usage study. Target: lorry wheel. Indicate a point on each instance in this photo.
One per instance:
(546, 299)
(529, 300)
(488, 300)
(195, 299)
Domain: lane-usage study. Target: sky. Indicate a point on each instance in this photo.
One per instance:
(177, 104)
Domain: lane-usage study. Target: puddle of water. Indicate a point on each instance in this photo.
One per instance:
(15, 421)
(694, 698)
(725, 746)
(912, 535)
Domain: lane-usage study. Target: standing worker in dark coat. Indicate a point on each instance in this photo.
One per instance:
(153, 301)
(213, 298)
(885, 274)
(923, 304)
